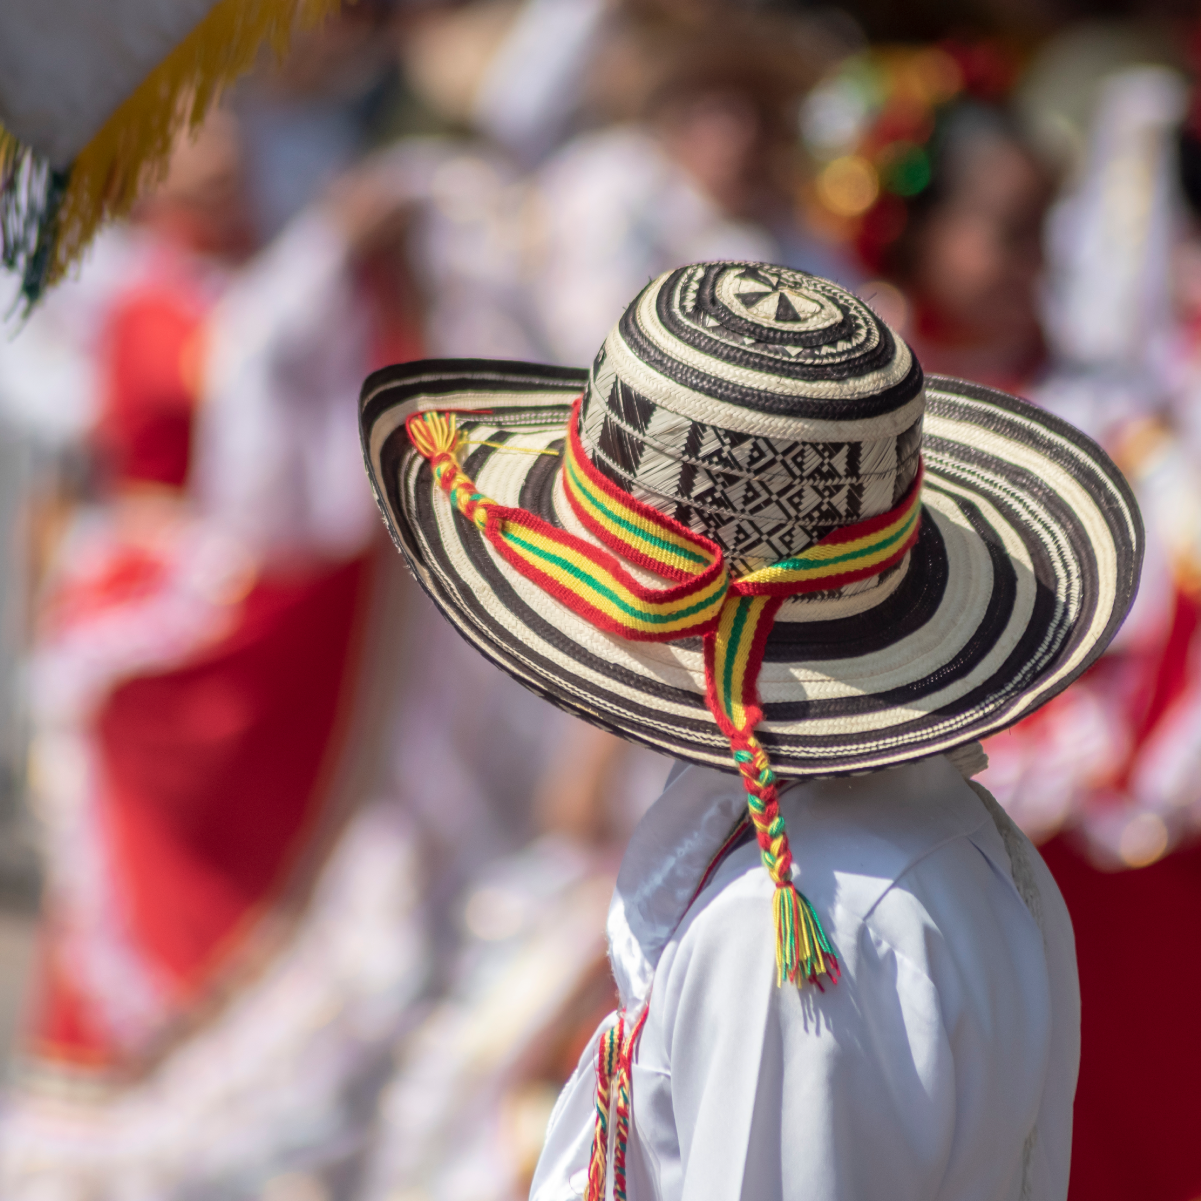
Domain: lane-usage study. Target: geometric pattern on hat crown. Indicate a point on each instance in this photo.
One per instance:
(794, 412)
(765, 350)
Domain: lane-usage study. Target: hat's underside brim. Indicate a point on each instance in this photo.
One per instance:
(1027, 562)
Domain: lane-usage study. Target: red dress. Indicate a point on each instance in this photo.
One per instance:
(208, 696)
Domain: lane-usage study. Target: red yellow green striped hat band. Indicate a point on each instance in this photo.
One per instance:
(1024, 564)
(596, 586)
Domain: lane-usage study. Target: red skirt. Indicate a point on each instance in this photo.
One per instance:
(1139, 1094)
(214, 801)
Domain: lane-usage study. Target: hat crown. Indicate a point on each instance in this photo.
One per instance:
(760, 406)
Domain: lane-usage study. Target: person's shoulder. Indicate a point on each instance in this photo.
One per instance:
(901, 866)
(852, 839)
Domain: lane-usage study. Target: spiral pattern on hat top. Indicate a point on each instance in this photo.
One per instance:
(717, 343)
(1026, 563)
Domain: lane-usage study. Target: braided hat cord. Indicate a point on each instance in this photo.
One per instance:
(803, 951)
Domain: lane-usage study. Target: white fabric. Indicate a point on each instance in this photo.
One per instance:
(1107, 308)
(942, 1065)
(66, 65)
(530, 91)
(278, 463)
(278, 1080)
(50, 386)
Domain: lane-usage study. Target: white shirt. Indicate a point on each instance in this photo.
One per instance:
(942, 1064)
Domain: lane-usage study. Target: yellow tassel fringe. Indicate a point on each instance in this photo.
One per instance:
(9, 149)
(130, 152)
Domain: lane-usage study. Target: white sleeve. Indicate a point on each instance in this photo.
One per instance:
(277, 460)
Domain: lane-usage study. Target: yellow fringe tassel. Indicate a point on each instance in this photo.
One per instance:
(131, 150)
(9, 149)
(803, 952)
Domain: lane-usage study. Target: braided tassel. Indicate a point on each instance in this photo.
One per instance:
(803, 951)
(436, 436)
(621, 1133)
(608, 1059)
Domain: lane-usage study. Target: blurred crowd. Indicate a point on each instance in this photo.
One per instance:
(324, 893)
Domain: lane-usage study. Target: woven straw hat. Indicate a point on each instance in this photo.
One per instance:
(768, 414)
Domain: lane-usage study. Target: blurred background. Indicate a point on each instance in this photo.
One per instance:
(300, 900)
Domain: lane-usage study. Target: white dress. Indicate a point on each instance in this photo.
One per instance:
(942, 1064)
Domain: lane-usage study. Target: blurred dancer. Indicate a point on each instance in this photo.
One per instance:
(122, 553)
(208, 714)
(970, 256)
(1121, 344)
(950, 206)
(1110, 767)
(920, 167)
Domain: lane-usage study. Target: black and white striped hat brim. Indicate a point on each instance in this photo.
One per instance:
(1027, 562)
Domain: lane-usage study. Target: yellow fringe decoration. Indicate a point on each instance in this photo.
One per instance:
(131, 150)
(9, 149)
